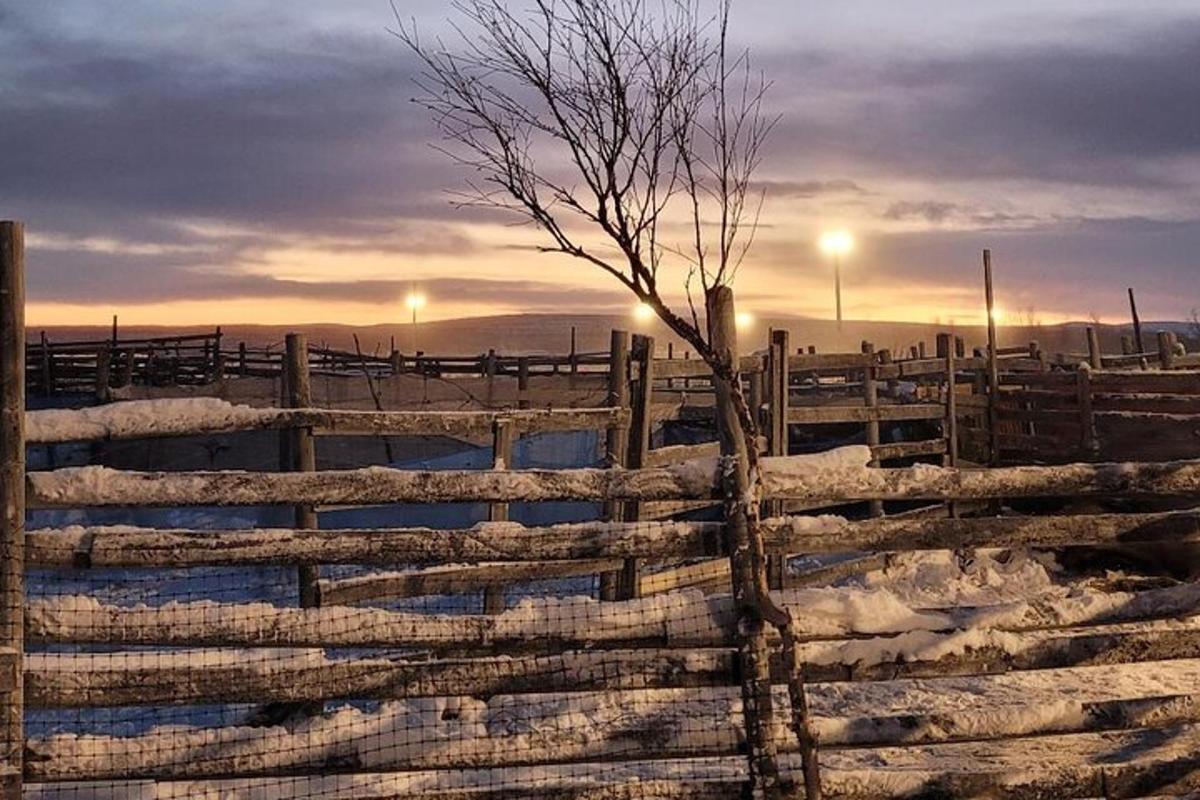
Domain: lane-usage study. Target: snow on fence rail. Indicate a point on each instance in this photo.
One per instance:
(199, 416)
(827, 477)
(78, 547)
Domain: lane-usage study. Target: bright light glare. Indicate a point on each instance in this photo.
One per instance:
(643, 312)
(997, 314)
(743, 319)
(836, 243)
(415, 301)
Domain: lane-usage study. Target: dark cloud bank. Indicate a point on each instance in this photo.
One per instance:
(316, 139)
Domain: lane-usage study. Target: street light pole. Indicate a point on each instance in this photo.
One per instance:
(415, 301)
(835, 244)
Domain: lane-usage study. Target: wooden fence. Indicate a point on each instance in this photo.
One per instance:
(661, 682)
(680, 651)
(100, 366)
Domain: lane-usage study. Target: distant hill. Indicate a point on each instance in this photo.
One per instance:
(551, 333)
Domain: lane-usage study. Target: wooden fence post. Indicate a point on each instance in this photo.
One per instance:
(777, 434)
(993, 371)
(125, 376)
(1137, 323)
(946, 351)
(574, 357)
(1166, 350)
(637, 448)
(47, 367)
(871, 401)
(1095, 357)
(617, 443)
(12, 504)
(502, 455)
(753, 648)
(1126, 344)
(1087, 419)
(523, 382)
(104, 354)
(302, 451)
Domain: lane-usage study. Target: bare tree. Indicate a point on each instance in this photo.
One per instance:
(628, 133)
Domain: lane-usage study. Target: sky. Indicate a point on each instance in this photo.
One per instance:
(253, 161)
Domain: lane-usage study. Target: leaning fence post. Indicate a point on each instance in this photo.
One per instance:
(753, 648)
(617, 443)
(1137, 322)
(302, 451)
(12, 502)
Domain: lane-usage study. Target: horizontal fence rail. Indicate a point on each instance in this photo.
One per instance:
(792, 478)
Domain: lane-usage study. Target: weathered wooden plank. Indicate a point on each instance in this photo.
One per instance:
(1182, 382)
(895, 450)
(1115, 764)
(113, 422)
(820, 415)
(927, 482)
(12, 495)
(700, 573)
(828, 361)
(149, 548)
(672, 620)
(669, 710)
(96, 486)
(453, 579)
(78, 547)
(137, 678)
(788, 478)
(832, 534)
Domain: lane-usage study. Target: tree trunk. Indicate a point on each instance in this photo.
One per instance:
(738, 434)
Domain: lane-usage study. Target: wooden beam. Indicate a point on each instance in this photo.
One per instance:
(95, 425)
(993, 382)
(827, 415)
(12, 499)
(491, 577)
(1137, 323)
(302, 452)
(803, 535)
(74, 681)
(617, 442)
(97, 487)
(147, 548)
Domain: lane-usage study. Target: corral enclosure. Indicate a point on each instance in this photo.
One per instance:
(535, 597)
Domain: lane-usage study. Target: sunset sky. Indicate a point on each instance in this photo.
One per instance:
(253, 161)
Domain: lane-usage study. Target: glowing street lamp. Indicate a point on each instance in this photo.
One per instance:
(836, 244)
(415, 302)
